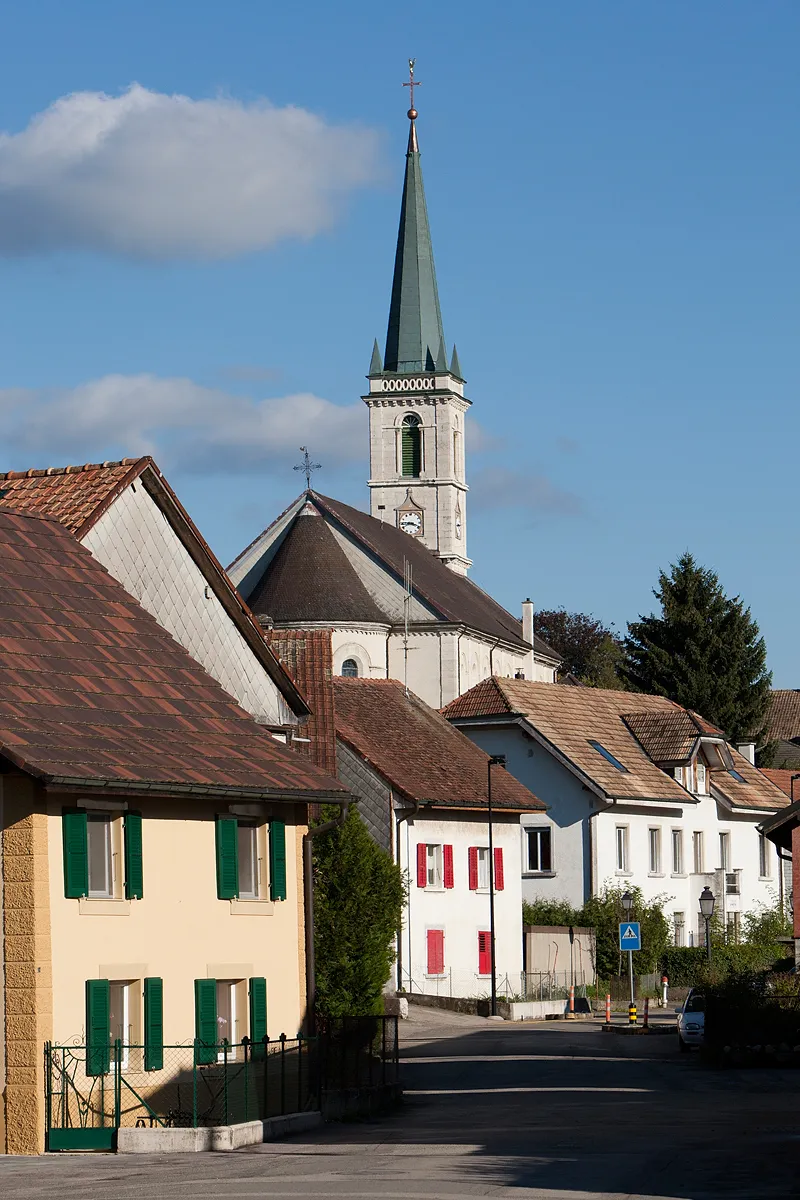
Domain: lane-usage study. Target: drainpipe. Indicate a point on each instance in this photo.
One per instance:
(308, 898)
(491, 658)
(412, 812)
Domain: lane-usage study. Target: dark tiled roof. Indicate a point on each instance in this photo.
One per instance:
(454, 596)
(308, 657)
(311, 579)
(415, 749)
(787, 755)
(76, 496)
(570, 719)
(94, 691)
(783, 714)
(668, 736)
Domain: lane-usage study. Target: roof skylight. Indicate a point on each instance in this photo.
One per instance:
(734, 774)
(607, 755)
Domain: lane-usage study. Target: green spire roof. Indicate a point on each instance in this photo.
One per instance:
(415, 338)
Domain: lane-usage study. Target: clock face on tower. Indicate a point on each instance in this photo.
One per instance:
(411, 522)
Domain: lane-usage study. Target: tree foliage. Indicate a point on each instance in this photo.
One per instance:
(704, 651)
(589, 650)
(359, 894)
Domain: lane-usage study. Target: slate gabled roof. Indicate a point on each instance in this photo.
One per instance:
(418, 752)
(571, 719)
(455, 597)
(311, 579)
(93, 691)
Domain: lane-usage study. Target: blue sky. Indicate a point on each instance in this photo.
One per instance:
(613, 199)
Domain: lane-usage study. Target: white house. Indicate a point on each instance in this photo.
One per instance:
(422, 789)
(638, 791)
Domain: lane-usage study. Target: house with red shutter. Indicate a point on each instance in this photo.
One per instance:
(422, 791)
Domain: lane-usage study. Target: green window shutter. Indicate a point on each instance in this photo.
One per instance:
(98, 1027)
(411, 449)
(76, 852)
(277, 860)
(205, 1019)
(227, 858)
(153, 1024)
(258, 1009)
(134, 876)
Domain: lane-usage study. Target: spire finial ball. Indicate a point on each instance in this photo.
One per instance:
(412, 114)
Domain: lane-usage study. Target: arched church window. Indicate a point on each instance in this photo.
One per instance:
(350, 668)
(412, 446)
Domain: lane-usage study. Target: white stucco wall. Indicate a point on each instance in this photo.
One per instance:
(364, 644)
(461, 913)
(136, 543)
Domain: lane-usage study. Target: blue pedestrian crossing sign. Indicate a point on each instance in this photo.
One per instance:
(630, 935)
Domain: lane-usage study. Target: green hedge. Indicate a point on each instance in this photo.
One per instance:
(687, 966)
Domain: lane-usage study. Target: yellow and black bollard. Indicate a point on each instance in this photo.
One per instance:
(631, 1014)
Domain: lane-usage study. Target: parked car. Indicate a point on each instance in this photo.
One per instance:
(691, 1020)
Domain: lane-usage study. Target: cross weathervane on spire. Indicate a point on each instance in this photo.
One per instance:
(307, 466)
(412, 83)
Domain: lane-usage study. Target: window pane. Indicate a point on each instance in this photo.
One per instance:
(483, 867)
(98, 831)
(434, 866)
(350, 668)
(545, 852)
(225, 1011)
(723, 851)
(677, 852)
(248, 860)
(655, 851)
(697, 840)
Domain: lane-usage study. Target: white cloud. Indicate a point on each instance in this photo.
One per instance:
(532, 494)
(153, 176)
(184, 425)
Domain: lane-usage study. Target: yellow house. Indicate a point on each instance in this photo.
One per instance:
(151, 866)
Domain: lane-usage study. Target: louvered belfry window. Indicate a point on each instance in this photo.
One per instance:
(412, 446)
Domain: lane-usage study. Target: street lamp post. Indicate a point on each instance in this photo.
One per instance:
(627, 904)
(495, 760)
(707, 912)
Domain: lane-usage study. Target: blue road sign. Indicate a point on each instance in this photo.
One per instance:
(630, 936)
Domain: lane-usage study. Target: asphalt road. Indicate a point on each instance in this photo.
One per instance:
(553, 1111)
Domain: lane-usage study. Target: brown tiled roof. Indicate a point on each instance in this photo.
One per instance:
(308, 657)
(782, 779)
(783, 714)
(311, 579)
(570, 719)
(669, 736)
(417, 752)
(76, 496)
(93, 691)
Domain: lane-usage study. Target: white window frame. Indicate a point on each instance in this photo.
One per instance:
(232, 986)
(537, 833)
(622, 849)
(654, 850)
(725, 850)
(110, 824)
(764, 865)
(483, 868)
(701, 786)
(698, 852)
(434, 866)
(676, 845)
(256, 839)
(124, 987)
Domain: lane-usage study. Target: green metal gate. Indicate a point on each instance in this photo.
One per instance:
(82, 1109)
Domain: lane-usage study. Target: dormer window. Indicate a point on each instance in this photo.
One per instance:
(702, 778)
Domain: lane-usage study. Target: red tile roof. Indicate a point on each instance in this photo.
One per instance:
(782, 779)
(571, 719)
(308, 657)
(76, 496)
(93, 691)
(417, 751)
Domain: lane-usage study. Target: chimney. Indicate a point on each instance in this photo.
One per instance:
(527, 620)
(748, 751)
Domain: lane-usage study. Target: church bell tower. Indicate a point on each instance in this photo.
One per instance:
(417, 405)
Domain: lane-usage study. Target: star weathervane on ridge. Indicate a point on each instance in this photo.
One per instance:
(307, 466)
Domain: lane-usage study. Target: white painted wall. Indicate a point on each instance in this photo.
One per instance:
(461, 913)
(365, 644)
(136, 543)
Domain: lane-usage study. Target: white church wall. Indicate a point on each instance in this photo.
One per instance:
(367, 646)
(386, 591)
(461, 913)
(424, 665)
(136, 543)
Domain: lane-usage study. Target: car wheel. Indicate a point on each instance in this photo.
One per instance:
(682, 1045)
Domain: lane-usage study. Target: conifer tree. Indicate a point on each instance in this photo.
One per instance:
(359, 894)
(704, 651)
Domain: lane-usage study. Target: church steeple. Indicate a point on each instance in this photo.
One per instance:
(415, 338)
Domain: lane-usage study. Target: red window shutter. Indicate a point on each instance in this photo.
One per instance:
(484, 954)
(435, 951)
(422, 864)
(499, 882)
(473, 868)
(448, 867)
